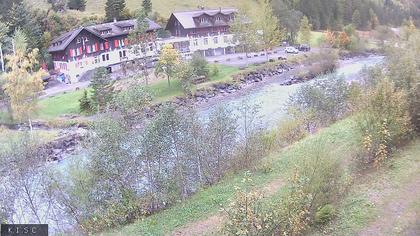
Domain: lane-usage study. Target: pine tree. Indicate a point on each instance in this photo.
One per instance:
(114, 9)
(85, 103)
(102, 89)
(356, 19)
(79, 5)
(23, 80)
(305, 31)
(147, 6)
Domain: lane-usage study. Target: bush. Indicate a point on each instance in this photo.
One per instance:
(247, 215)
(199, 65)
(384, 121)
(290, 131)
(324, 214)
(320, 103)
(214, 70)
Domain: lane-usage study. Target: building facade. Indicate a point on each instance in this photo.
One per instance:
(205, 31)
(104, 45)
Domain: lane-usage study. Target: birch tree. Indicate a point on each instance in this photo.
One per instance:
(23, 80)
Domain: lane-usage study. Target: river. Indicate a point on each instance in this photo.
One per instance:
(270, 97)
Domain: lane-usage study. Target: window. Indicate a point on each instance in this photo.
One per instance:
(107, 57)
(195, 42)
(218, 18)
(215, 40)
(103, 57)
(150, 46)
(124, 54)
(203, 19)
(206, 41)
(225, 39)
(79, 40)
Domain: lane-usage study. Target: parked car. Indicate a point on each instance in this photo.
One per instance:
(304, 48)
(291, 50)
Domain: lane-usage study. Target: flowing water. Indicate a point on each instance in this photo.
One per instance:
(271, 99)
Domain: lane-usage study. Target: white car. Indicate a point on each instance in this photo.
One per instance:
(291, 50)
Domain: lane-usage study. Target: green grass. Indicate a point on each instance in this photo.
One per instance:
(342, 139)
(357, 209)
(315, 37)
(7, 136)
(66, 103)
(163, 7)
(162, 92)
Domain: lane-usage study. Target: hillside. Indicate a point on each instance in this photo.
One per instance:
(163, 7)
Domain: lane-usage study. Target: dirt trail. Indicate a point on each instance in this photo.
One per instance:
(396, 207)
(214, 223)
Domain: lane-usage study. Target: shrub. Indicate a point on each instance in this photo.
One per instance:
(319, 103)
(199, 65)
(324, 214)
(214, 70)
(384, 120)
(132, 100)
(290, 131)
(247, 215)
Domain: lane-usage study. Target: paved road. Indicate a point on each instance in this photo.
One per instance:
(233, 59)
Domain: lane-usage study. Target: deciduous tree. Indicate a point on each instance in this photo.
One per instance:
(168, 60)
(23, 80)
(305, 31)
(268, 28)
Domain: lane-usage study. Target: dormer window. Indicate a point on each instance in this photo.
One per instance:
(203, 19)
(82, 39)
(218, 18)
(128, 28)
(103, 32)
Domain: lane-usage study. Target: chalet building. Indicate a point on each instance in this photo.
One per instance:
(103, 45)
(205, 31)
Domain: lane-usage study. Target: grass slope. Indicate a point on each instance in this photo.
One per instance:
(342, 139)
(367, 200)
(163, 7)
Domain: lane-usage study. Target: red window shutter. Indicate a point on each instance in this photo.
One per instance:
(96, 47)
(71, 52)
(116, 43)
(106, 45)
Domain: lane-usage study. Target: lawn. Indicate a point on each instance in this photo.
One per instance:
(342, 139)
(66, 103)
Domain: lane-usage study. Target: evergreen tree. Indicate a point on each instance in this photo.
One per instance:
(114, 9)
(79, 5)
(21, 17)
(305, 31)
(85, 103)
(356, 19)
(147, 6)
(102, 89)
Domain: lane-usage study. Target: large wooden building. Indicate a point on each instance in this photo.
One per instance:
(204, 30)
(103, 45)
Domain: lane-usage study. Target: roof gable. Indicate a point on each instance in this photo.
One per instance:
(187, 18)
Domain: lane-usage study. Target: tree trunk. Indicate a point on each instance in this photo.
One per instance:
(169, 81)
